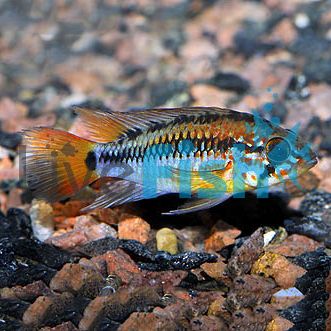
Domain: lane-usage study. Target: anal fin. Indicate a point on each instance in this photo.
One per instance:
(197, 205)
(116, 193)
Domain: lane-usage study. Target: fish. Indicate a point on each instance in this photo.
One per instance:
(204, 154)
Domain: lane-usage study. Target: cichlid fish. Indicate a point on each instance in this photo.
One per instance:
(205, 153)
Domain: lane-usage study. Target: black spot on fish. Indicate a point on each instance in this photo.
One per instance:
(91, 161)
(68, 150)
(270, 169)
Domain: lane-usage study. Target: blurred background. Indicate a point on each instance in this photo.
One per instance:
(271, 56)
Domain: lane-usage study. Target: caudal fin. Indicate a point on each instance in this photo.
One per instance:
(57, 164)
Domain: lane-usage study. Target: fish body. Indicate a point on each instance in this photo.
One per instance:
(207, 153)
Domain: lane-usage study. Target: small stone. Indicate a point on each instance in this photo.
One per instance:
(166, 240)
(294, 245)
(275, 265)
(66, 326)
(279, 324)
(211, 323)
(301, 20)
(244, 257)
(134, 228)
(255, 319)
(208, 95)
(68, 240)
(148, 321)
(284, 31)
(230, 81)
(83, 279)
(286, 298)
(118, 306)
(222, 234)
(217, 308)
(29, 292)
(42, 223)
(86, 229)
(118, 263)
(249, 291)
(46, 307)
(215, 270)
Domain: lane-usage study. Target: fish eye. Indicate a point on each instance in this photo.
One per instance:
(278, 149)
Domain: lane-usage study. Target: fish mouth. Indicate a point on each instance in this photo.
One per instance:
(309, 164)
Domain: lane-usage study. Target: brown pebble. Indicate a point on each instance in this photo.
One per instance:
(45, 307)
(27, 293)
(278, 267)
(249, 291)
(78, 279)
(134, 228)
(244, 257)
(118, 263)
(279, 324)
(210, 323)
(66, 326)
(148, 321)
(294, 245)
(118, 306)
(222, 234)
(215, 270)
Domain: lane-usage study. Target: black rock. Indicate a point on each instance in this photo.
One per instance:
(15, 270)
(24, 259)
(298, 88)
(318, 266)
(174, 40)
(316, 50)
(311, 226)
(183, 261)
(250, 45)
(316, 222)
(13, 307)
(7, 185)
(319, 71)
(8, 323)
(310, 313)
(16, 224)
(99, 247)
(315, 202)
(10, 140)
(230, 81)
(318, 128)
(326, 137)
(46, 254)
(161, 92)
(8, 263)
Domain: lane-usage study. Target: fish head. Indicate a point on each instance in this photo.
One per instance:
(279, 154)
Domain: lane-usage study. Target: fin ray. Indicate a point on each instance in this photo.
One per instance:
(54, 162)
(116, 193)
(197, 205)
(106, 126)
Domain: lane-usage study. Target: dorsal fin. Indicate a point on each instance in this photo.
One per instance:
(105, 126)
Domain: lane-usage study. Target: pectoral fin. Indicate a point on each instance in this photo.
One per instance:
(197, 205)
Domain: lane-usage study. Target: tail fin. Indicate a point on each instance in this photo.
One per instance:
(57, 164)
